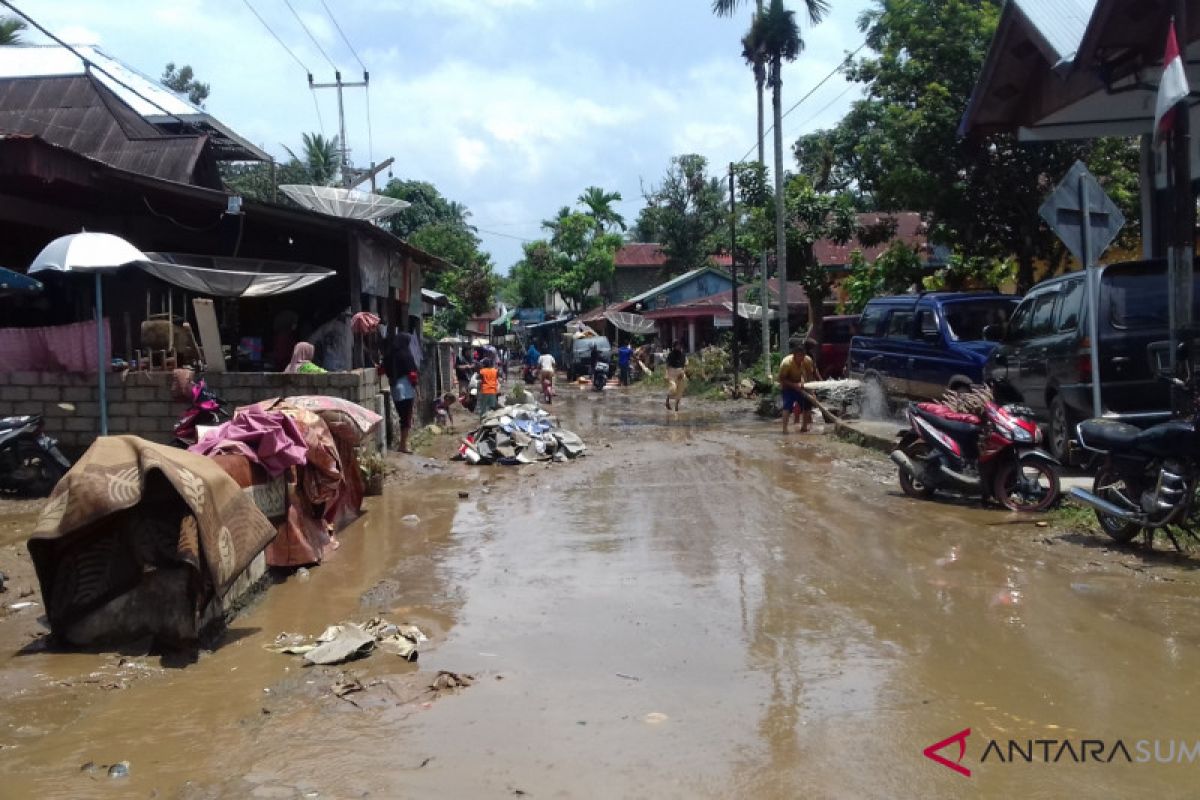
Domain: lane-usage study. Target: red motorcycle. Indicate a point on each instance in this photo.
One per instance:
(993, 454)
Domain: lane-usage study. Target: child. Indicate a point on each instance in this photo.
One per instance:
(489, 387)
(441, 410)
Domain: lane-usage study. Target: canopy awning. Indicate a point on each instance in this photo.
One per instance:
(750, 311)
(631, 323)
(504, 318)
(221, 276)
(434, 298)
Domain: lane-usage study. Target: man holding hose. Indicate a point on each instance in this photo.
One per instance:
(796, 370)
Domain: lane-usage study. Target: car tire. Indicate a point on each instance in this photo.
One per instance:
(1060, 430)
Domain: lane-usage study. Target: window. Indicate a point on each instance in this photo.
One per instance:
(899, 325)
(967, 318)
(1019, 326)
(1042, 322)
(927, 325)
(1070, 304)
(871, 320)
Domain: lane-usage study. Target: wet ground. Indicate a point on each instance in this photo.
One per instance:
(700, 608)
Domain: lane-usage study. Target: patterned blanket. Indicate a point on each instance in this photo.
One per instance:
(130, 507)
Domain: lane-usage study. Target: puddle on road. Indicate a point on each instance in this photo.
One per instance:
(701, 610)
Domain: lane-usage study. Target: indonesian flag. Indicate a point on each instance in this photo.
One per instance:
(1171, 89)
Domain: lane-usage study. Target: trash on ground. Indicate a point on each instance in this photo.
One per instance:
(448, 681)
(21, 606)
(349, 640)
(411, 519)
(519, 435)
(119, 770)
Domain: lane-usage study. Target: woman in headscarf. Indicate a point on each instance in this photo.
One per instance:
(302, 359)
(401, 368)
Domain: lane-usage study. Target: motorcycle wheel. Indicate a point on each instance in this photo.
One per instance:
(1103, 487)
(918, 452)
(1027, 485)
(37, 471)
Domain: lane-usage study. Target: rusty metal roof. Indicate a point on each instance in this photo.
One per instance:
(81, 114)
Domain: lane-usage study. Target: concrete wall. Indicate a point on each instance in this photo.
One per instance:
(141, 402)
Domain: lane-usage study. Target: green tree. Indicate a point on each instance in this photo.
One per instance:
(427, 206)
(901, 141)
(322, 158)
(531, 278)
(183, 81)
(597, 203)
(471, 284)
(895, 271)
(258, 182)
(813, 216)
(10, 30)
(686, 214)
(581, 258)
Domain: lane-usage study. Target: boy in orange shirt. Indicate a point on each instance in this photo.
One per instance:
(489, 387)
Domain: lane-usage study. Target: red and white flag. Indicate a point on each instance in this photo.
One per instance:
(1171, 89)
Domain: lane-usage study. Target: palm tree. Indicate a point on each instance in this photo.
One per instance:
(322, 158)
(458, 215)
(774, 37)
(598, 205)
(10, 30)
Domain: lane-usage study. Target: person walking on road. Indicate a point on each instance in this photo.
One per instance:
(546, 368)
(624, 359)
(796, 370)
(401, 369)
(676, 374)
(489, 387)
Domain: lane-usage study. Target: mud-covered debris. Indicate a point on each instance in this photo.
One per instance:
(352, 686)
(410, 519)
(340, 643)
(463, 495)
(519, 435)
(448, 681)
(349, 640)
(302, 574)
(3, 582)
(119, 770)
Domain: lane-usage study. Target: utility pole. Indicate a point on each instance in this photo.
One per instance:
(1180, 253)
(737, 383)
(766, 288)
(339, 84)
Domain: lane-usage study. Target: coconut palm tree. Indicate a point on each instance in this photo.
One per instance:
(598, 204)
(774, 38)
(10, 30)
(322, 158)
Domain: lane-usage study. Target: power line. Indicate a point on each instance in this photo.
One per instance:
(827, 106)
(343, 35)
(317, 106)
(841, 65)
(320, 49)
(276, 37)
(504, 235)
(88, 64)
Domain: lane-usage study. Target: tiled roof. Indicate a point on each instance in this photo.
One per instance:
(640, 254)
(910, 229)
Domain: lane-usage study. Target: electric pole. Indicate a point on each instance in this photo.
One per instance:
(339, 84)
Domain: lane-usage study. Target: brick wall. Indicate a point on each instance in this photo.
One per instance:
(141, 402)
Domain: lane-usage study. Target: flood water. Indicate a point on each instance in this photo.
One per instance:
(700, 608)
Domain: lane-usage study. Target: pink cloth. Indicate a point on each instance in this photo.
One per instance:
(267, 438)
(62, 348)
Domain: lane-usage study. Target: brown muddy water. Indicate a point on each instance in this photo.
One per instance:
(700, 608)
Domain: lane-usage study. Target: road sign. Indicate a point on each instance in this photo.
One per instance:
(1079, 195)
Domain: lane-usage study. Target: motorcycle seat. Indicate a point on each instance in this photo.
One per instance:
(956, 424)
(1107, 434)
(8, 423)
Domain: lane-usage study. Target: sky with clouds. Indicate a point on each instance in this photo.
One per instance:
(512, 107)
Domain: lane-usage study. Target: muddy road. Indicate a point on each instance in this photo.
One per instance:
(700, 608)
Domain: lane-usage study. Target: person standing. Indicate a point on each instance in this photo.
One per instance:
(546, 369)
(796, 370)
(676, 374)
(400, 366)
(624, 359)
(489, 387)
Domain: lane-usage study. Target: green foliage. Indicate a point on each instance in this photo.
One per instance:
(900, 144)
(581, 256)
(963, 272)
(10, 30)
(183, 81)
(597, 203)
(427, 207)
(897, 270)
(685, 213)
(471, 285)
(322, 159)
(812, 216)
(709, 365)
(254, 181)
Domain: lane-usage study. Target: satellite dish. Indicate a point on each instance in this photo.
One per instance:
(345, 203)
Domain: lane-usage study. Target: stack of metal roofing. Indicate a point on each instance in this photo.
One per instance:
(519, 435)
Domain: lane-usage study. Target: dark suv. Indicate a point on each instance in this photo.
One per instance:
(1044, 358)
(919, 346)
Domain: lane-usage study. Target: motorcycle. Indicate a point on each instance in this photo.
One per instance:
(600, 375)
(207, 409)
(30, 461)
(993, 454)
(1147, 479)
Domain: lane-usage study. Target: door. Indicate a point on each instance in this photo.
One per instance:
(1062, 349)
(897, 352)
(929, 364)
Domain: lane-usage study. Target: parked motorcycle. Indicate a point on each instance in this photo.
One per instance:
(600, 375)
(30, 461)
(993, 454)
(1147, 479)
(207, 409)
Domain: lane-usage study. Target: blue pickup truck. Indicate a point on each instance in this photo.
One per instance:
(918, 346)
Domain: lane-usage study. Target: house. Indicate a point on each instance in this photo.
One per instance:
(637, 268)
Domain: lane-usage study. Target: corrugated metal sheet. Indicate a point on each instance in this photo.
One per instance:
(1060, 23)
(81, 114)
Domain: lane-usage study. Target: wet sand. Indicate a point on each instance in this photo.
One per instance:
(700, 608)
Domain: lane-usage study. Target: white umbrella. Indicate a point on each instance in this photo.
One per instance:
(93, 254)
